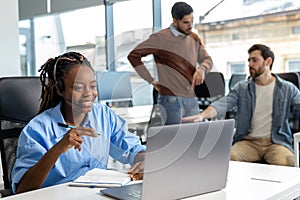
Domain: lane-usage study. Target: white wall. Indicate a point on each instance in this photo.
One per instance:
(9, 38)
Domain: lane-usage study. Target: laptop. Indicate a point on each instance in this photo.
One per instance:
(182, 160)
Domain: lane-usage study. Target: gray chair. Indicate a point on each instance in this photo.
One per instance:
(19, 102)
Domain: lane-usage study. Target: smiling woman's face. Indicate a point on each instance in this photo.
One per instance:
(80, 89)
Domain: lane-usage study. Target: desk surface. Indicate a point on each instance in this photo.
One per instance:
(243, 183)
(136, 115)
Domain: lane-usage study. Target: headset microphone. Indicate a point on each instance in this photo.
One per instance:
(69, 100)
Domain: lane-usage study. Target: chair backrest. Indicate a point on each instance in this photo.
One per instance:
(19, 98)
(293, 77)
(114, 86)
(19, 102)
(212, 89)
(8, 147)
(235, 78)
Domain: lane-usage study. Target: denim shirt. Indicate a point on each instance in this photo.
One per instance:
(286, 100)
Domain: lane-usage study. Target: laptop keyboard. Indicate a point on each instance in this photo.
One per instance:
(136, 194)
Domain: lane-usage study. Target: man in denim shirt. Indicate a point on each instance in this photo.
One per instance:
(264, 104)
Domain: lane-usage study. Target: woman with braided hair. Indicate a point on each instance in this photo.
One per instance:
(60, 143)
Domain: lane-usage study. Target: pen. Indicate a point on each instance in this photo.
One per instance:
(269, 180)
(70, 126)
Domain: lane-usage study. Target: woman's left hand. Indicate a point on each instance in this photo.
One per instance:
(137, 171)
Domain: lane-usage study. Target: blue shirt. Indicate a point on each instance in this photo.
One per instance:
(42, 132)
(286, 99)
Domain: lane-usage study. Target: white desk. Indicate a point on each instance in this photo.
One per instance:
(137, 118)
(240, 185)
(136, 115)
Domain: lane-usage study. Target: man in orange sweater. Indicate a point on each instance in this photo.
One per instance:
(181, 63)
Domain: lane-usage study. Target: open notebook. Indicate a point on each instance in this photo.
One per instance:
(102, 178)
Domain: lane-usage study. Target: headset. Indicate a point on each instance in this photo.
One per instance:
(59, 85)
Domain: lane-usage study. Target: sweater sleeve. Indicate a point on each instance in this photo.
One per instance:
(145, 48)
(204, 60)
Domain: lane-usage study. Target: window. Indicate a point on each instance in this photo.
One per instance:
(296, 30)
(235, 36)
(131, 15)
(26, 48)
(293, 65)
(236, 67)
(83, 26)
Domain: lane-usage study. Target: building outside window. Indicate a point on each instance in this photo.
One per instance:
(293, 65)
(236, 67)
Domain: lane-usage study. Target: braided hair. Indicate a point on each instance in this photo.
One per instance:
(52, 75)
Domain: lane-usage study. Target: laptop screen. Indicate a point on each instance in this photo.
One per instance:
(184, 160)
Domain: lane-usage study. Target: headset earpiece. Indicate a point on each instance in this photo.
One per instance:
(58, 84)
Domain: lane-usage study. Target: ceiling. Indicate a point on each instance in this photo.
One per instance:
(32, 8)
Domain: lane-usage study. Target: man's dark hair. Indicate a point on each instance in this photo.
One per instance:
(264, 51)
(180, 9)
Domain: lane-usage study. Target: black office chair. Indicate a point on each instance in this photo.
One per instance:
(293, 77)
(234, 79)
(19, 102)
(211, 90)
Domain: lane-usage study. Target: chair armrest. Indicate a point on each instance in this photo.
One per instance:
(296, 148)
(296, 136)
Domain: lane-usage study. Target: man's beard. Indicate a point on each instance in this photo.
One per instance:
(184, 32)
(256, 74)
